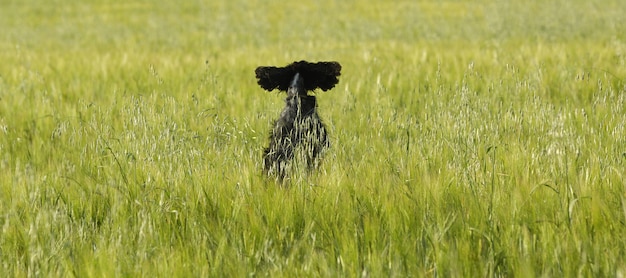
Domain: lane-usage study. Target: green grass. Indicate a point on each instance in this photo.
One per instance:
(481, 138)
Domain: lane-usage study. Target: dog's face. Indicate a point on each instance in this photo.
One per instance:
(296, 87)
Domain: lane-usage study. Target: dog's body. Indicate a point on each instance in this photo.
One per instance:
(299, 128)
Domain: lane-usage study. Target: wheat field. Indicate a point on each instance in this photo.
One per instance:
(468, 139)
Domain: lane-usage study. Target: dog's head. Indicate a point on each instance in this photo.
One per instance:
(299, 77)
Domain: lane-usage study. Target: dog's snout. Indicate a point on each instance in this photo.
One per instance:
(296, 81)
(297, 85)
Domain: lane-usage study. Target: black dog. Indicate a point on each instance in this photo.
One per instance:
(299, 129)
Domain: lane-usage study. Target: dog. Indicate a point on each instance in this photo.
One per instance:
(299, 129)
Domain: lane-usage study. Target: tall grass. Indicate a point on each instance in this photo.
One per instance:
(468, 139)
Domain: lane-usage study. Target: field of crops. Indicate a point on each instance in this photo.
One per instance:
(469, 138)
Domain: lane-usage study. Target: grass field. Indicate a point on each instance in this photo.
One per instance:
(469, 138)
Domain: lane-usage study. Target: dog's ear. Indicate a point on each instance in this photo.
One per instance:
(323, 75)
(270, 78)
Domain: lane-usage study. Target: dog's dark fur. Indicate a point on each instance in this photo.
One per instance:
(299, 125)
